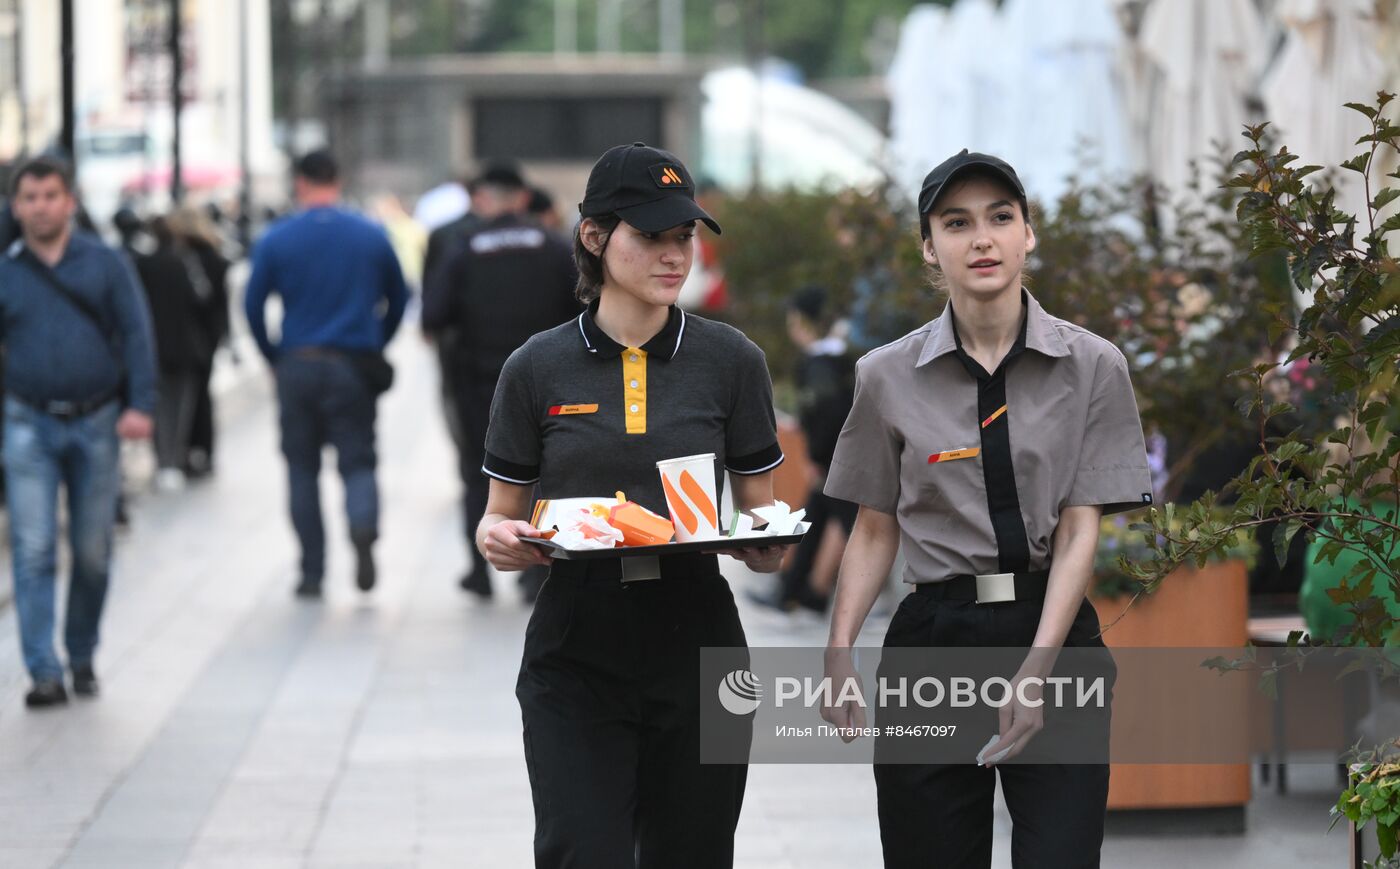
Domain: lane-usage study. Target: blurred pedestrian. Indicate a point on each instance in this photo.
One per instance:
(542, 211)
(10, 229)
(333, 270)
(170, 291)
(449, 229)
(133, 241)
(131, 232)
(9, 233)
(445, 237)
(79, 375)
(408, 238)
(202, 245)
(503, 283)
(825, 382)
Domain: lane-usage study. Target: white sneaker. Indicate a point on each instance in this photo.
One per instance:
(169, 480)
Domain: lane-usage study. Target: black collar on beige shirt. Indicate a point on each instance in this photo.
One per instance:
(1038, 333)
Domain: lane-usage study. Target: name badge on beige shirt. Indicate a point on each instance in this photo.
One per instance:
(952, 455)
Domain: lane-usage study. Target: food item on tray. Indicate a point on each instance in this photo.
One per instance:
(595, 523)
(639, 526)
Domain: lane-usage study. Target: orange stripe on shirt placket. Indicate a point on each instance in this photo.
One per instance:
(993, 418)
(634, 390)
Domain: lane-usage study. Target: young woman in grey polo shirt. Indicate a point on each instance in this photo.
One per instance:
(609, 685)
(986, 442)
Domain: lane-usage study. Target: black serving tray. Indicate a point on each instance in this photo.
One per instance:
(719, 543)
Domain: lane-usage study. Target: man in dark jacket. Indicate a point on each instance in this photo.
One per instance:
(504, 282)
(79, 375)
(443, 244)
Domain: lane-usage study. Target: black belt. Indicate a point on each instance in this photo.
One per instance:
(1028, 586)
(687, 566)
(70, 409)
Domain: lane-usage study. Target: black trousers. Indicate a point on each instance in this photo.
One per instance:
(609, 693)
(939, 816)
(472, 404)
(202, 430)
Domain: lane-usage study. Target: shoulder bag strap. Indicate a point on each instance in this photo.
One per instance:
(83, 306)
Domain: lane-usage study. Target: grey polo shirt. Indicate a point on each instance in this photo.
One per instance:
(977, 465)
(583, 415)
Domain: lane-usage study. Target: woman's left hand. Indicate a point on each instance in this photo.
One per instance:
(1021, 719)
(759, 559)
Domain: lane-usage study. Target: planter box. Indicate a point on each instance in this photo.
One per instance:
(1207, 608)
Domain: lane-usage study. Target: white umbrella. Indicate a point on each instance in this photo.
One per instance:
(1071, 93)
(806, 139)
(1207, 54)
(915, 125)
(972, 81)
(1388, 47)
(948, 91)
(1329, 58)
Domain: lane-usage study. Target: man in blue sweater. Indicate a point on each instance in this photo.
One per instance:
(343, 297)
(79, 375)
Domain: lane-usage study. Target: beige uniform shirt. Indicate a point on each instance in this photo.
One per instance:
(977, 465)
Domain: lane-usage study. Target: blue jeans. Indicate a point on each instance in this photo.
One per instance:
(324, 401)
(41, 453)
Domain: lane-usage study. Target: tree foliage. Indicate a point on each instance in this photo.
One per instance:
(1341, 485)
(821, 39)
(1185, 302)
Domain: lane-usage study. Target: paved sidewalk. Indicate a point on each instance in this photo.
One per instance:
(241, 728)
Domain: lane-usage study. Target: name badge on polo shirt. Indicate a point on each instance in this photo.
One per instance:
(572, 409)
(954, 455)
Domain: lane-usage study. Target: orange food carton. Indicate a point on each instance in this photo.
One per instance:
(639, 526)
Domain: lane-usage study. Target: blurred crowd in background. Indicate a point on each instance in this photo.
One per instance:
(809, 125)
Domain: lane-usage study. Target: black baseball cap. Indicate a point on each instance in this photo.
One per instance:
(647, 187)
(937, 180)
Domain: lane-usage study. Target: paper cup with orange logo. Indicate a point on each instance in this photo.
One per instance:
(689, 484)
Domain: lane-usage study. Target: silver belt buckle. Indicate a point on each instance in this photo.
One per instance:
(996, 587)
(641, 567)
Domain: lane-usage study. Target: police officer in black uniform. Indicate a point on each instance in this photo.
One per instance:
(490, 290)
(608, 686)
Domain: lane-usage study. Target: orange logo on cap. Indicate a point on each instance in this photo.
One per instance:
(668, 175)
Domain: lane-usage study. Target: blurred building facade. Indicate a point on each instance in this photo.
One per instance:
(122, 74)
(410, 124)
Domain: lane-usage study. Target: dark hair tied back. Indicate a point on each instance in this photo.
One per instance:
(590, 264)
